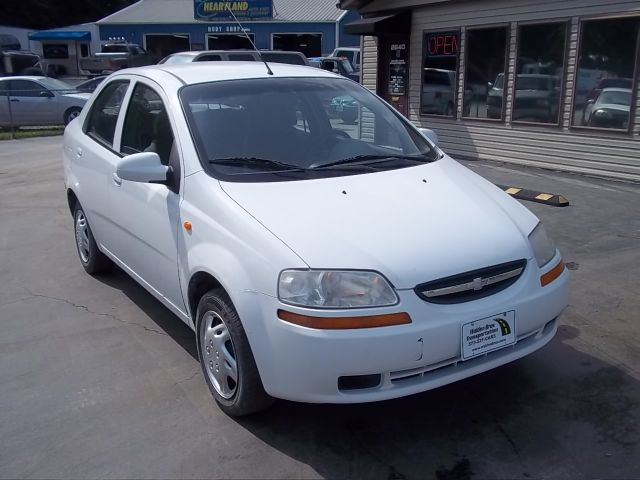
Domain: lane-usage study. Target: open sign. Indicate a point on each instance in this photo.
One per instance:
(442, 44)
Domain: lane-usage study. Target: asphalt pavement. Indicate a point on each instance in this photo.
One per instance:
(99, 380)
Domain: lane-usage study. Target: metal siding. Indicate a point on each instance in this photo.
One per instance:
(605, 153)
(369, 67)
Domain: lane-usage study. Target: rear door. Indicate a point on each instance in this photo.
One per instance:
(94, 159)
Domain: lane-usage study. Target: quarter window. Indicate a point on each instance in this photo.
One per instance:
(484, 74)
(146, 125)
(539, 73)
(440, 67)
(101, 122)
(604, 84)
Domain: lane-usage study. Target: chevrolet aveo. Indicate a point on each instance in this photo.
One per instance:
(317, 260)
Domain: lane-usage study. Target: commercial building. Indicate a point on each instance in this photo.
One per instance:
(313, 27)
(548, 83)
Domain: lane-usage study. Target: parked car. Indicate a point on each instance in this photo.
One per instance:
(611, 109)
(350, 53)
(276, 56)
(594, 93)
(38, 101)
(116, 56)
(341, 66)
(19, 63)
(537, 97)
(90, 85)
(226, 192)
(438, 91)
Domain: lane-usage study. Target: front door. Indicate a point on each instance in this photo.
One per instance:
(149, 214)
(393, 68)
(33, 104)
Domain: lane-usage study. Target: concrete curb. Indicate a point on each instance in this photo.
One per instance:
(534, 196)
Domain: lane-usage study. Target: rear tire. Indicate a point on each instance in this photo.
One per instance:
(91, 258)
(226, 359)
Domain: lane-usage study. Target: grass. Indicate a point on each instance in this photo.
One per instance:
(31, 133)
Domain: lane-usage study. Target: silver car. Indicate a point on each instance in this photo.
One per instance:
(38, 101)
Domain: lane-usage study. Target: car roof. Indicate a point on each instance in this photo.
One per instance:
(200, 72)
(24, 77)
(616, 89)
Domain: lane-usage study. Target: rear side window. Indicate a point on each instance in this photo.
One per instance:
(102, 119)
(209, 58)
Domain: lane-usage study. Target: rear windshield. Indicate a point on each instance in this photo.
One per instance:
(114, 49)
(289, 58)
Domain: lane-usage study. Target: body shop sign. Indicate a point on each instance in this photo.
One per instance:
(442, 44)
(247, 10)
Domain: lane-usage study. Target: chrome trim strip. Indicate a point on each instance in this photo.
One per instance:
(477, 284)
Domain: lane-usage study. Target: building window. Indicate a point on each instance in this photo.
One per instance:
(55, 50)
(84, 50)
(486, 52)
(539, 72)
(308, 43)
(439, 72)
(606, 63)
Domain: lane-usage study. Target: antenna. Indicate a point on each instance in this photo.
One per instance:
(227, 4)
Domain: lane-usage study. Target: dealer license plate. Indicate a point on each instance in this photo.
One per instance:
(488, 334)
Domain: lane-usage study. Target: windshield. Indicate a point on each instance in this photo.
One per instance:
(258, 129)
(532, 83)
(57, 85)
(615, 98)
(177, 59)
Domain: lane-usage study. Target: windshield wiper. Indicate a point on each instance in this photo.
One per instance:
(254, 162)
(365, 159)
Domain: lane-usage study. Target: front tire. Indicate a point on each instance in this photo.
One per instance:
(226, 359)
(91, 258)
(70, 114)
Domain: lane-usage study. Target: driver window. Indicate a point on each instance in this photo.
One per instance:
(146, 125)
(26, 88)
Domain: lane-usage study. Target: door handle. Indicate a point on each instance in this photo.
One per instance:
(116, 179)
(15, 100)
(79, 152)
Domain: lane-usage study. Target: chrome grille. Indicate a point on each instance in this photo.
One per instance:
(471, 285)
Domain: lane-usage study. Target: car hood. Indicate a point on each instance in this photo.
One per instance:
(613, 106)
(77, 96)
(413, 224)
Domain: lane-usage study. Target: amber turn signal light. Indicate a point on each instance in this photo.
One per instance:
(187, 226)
(345, 323)
(552, 274)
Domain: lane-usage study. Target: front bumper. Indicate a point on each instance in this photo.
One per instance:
(303, 364)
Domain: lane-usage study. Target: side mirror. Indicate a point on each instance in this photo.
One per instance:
(144, 167)
(591, 101)
(46, 94)
(490, 84)
(429, 135)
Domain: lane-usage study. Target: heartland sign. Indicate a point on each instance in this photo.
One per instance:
(247, 10)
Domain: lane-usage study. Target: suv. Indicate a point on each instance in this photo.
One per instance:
(19, 63)
(274, 56)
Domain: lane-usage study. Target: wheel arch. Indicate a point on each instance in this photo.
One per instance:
(72, 200)
(200, 283)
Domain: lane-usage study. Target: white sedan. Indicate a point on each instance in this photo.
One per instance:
(314, 263)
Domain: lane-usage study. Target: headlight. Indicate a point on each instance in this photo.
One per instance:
(543, 247)
(335, 289)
